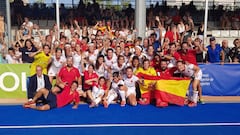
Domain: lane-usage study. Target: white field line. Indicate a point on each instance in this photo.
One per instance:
(120, 125)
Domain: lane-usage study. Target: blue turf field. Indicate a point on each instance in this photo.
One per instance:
(204, 119)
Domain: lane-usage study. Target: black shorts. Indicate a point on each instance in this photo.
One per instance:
(51, 100)
(86, 89)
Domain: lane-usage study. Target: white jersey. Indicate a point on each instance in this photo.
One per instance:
(97, 91)
(189, 72)
(101, 71)
(11, 60)
(77, 60)
(56, 65)
(115, 86)
(141, 57)
(110, 62)
(130, 82)
(92, 57)
(116, 68)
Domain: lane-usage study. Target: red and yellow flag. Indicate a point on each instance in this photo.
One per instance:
(172, 90)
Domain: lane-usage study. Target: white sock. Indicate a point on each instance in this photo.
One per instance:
(110, 99)
(97, 100)
(123, 95)
(189, 95)
(195, 96)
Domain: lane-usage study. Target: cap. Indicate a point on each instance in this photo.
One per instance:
(139, 47)
(212, 39)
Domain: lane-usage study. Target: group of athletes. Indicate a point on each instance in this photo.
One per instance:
(114, 81)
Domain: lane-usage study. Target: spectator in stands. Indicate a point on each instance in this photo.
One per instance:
(2, 28)
(53, 100)
(37, 82)
(11, 57)
(27, 27)
(214, 52)
(172, 34)
(198, 46)
(188, 33)
(100, 26)
(200, 32)
(226, 51)
(235, 51)
(225, 21)
(27, 50)
(187, 54)
(18, 54)
(41, 57)
(2, 50)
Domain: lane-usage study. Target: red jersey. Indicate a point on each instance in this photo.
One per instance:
(176, 55)
(69, 75)
(167, 73)
(66, 97)
(104, 87)
(84, 47)
(155, 64)
(88, 76)
(189, 56)
(169, 35)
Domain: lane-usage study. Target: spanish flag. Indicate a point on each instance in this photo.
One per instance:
(172, 90)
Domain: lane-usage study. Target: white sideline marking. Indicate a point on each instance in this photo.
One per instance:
(121, 125)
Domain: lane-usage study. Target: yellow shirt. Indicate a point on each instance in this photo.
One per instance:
(102, 29)
(150, 71)
(42, 60)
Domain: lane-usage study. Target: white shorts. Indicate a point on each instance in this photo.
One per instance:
(112, 93)
(131, 90)
(96, 92)
(199, 75)
(52, 72)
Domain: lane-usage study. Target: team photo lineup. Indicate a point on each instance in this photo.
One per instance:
(107, 63)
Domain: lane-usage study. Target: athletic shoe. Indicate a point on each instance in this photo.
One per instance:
(92, 105)
(123, 103)
(159, 103)
(105, 104)
(28, 104)
(192, 104)
(201, 101)
(144, 101)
